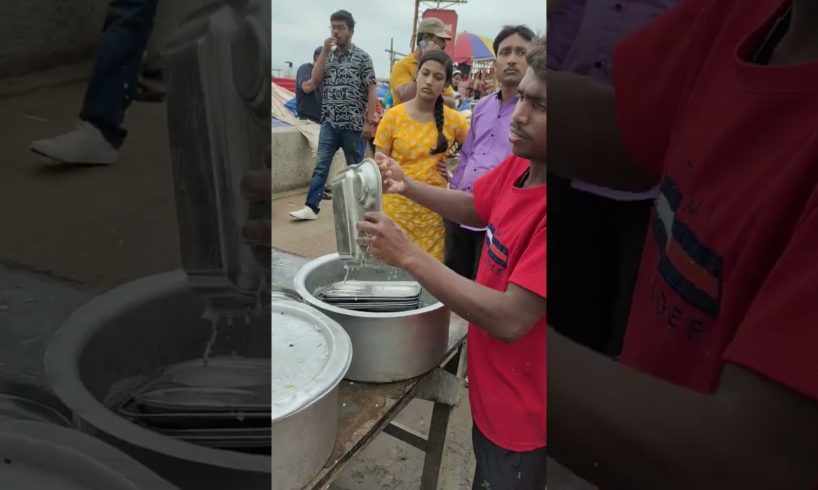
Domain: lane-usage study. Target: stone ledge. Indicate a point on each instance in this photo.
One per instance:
(293, 162)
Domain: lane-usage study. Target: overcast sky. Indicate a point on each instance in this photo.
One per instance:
(304, 24)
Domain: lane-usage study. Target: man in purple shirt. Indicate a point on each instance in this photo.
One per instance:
(487, 143)
(596, 233)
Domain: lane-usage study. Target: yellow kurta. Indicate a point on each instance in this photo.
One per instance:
(410, 144)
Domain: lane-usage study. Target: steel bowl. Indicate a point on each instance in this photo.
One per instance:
(388, 347)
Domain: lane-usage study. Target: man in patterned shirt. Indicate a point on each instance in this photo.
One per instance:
(348, 107)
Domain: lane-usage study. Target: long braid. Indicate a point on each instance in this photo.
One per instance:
(442, 142)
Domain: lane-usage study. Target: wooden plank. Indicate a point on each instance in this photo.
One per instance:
(407, 435)
(441, 386)
(365, 410)
(436, 444)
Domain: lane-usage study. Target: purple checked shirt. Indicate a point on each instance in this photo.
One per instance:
(582, 35)
(486, 144)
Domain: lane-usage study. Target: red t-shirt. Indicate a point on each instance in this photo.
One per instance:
(729, 272)
(507, 381)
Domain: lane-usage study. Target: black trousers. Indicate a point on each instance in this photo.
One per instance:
(501, 469)
(463, 249)
(594, 250)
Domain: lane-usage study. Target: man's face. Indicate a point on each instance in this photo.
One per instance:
(456, 80)
(528, 123)
(510, 64)
(341, 32)
(433, 42)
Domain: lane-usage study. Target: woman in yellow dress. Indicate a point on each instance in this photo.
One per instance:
(418, 134)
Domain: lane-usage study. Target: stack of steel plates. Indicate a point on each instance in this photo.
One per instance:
(373, 296)
(222, 404)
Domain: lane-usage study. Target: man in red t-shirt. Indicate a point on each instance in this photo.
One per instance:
(506, 305)
(717, 103)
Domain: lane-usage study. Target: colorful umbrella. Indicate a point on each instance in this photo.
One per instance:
(472, 47)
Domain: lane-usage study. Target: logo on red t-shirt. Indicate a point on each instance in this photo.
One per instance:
(691, 268)
(496, 251)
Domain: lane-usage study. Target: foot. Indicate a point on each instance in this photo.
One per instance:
(327, 196)
(83, 146)
(304, 214)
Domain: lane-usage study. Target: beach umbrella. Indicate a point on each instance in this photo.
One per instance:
(470, 47)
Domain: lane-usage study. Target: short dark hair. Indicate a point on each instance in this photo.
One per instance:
(317, 52)
(509, 31)
(345, 16)
(537, 58)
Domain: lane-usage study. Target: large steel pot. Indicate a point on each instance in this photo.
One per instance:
(311, 354)
(135, 330)
(388, 346)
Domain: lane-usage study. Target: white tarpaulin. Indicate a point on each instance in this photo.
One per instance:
(309, 129)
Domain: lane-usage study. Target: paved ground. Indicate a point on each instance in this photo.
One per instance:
(31, 306)
(305, 238)
(96, 226)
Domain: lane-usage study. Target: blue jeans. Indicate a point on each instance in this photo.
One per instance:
(128, 24)
(329, 141)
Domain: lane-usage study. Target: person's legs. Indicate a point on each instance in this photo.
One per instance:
(353, 146)
(501, 469)
(479, 238)
(110, 88)
(461, 249)
(581, 265)
(328, 143)
(128, 25)
(630, 223)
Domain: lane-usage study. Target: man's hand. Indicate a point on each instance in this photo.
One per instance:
(394, 180)
(386, 241)
(430, 46)
(329, 43)
(257, 187)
